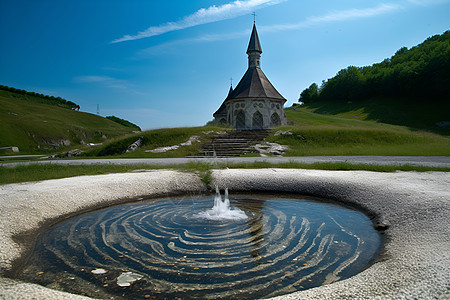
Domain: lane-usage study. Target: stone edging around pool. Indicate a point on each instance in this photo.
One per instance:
(415, 260)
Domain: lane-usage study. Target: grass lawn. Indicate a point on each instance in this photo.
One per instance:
(38, 172)
(318, 134)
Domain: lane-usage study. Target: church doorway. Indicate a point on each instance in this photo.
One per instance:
(240, 120)
(275, 120)
(258, 122)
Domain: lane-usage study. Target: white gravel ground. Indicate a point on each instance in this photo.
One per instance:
(415, 263)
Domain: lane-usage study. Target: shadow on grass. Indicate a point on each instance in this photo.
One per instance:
(415, 114)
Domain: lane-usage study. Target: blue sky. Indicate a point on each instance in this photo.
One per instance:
(168, 63)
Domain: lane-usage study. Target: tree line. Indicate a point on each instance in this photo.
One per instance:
(422, 72)
(52, 100)
(123, 122)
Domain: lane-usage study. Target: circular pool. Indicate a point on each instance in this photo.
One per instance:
(166, 248)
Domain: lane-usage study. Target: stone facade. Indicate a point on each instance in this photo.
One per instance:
(255, 113)
(254, 103)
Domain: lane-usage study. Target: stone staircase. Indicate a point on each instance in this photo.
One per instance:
(233, 143)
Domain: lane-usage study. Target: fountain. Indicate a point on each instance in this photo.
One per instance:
(222, 210)
(246, 247)
(388, 198)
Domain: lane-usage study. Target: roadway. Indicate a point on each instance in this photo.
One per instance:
(427, 161)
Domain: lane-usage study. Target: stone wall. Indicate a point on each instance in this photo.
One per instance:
(254, 113)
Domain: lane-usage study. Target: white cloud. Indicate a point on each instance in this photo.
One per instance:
(427, 2)
(134, 111)
(105, 80)
(203, 16)
(164, 48)
(108, 82)
(356, 13)
(336, 16)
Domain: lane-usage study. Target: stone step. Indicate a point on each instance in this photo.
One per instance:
(233, 143)
(223, 154)
(226, 145)
(221, 140)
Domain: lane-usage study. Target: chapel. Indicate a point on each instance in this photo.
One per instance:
(254, 103)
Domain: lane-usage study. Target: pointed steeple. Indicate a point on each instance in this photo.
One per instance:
(254, 44)
(254, 49)
(230, 92)
(254, 103)
(254, 84)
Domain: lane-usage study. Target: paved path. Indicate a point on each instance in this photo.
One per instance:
(21, 156)
(428, 161)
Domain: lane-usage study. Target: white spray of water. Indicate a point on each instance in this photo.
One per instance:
(222, 210)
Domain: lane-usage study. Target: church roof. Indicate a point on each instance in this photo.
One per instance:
(223, 108)
(254, 84)
(254, 44)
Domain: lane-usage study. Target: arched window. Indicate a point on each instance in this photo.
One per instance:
(240, 120)
(257, 122)
(275, 120)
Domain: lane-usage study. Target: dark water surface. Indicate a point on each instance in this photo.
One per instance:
(284, 245)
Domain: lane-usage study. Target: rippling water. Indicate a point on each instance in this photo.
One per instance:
(283, 246)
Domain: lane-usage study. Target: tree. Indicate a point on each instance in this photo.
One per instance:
(421, 72)
(123, 122)
(309, 94)
(52, 100)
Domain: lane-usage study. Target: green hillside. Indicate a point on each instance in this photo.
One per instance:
(311, 133)
(152, 139)
(38, 128)
(411, 88)
(415, 114)
(422, 72)
(35, 127)
(37, 97)
(307, 134)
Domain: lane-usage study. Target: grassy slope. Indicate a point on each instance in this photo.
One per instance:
(28, 124)
(344, 130)
(314, 134)
(417, 115)
(159, 138)
(319, 134)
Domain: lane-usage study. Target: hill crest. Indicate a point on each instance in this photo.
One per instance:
(36, 127)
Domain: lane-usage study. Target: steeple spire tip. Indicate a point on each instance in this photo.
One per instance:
(254, 44)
